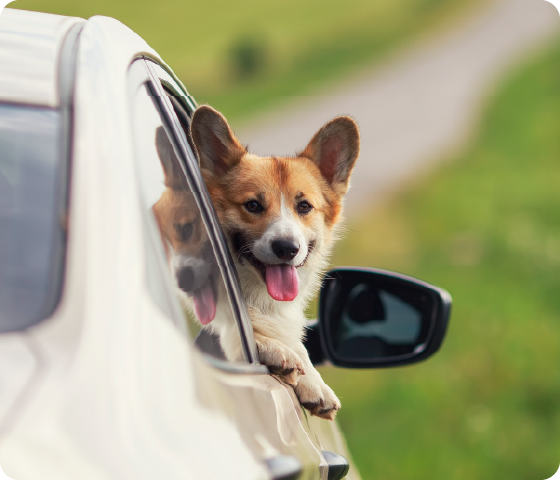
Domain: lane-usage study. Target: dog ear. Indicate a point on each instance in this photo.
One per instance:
(335, 149)
(218, 149)
(174, 175)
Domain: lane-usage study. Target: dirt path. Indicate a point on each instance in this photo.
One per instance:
(418, 107)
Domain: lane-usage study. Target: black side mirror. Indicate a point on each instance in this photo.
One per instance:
(370, 318)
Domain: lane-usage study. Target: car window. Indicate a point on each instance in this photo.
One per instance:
(181, 240)
(32, 215)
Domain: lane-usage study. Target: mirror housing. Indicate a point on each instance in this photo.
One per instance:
(371, 318)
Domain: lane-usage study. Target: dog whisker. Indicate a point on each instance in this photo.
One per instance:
(244, 251)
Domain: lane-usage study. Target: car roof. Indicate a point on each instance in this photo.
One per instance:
(30, 45)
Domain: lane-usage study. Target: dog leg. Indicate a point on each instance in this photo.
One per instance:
(280, 359)
(313, 393)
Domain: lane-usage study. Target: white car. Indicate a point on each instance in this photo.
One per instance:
(102, 373)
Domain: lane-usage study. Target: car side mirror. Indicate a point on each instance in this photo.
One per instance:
(370, 318)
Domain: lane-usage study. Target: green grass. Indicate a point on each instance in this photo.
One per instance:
(487, 228)
(298, 45)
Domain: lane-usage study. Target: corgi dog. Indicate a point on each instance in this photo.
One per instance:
(280, 216)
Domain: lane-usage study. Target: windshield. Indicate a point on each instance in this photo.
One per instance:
(32, 215)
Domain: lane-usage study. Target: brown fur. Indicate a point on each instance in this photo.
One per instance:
(265, 179)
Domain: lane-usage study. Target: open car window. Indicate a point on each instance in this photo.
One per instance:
(177, 236)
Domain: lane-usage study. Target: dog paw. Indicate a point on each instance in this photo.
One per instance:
(318, 398)
(281, 360)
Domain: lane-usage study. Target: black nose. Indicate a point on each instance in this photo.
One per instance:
(185, 279)
(285, 249)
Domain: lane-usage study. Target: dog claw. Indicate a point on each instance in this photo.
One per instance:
(327, 414)
(318, 398)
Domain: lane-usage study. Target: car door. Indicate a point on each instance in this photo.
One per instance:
(266, 411)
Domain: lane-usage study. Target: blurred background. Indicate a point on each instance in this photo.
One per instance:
(458, 184)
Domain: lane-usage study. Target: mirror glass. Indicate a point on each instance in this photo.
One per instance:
(371, 316)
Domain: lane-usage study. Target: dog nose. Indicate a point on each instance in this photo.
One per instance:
(285, 249)
(185, 279)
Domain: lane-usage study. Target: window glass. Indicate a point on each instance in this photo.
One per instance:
(181, 236)
(32, 215)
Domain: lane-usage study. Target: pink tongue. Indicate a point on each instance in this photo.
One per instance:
(205, 304)
(282, 282)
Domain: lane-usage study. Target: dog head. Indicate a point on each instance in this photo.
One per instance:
(185, 238)
(277, 212)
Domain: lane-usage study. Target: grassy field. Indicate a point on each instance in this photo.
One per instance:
(487, 228)
(244, 56)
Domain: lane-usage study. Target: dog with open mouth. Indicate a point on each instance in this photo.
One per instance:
(280, 216)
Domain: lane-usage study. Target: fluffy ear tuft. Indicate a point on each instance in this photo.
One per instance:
(218, 149)
(335, 149)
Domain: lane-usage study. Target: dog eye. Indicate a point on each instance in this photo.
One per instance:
(185, 231)
(254, 206)
(304, 207)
